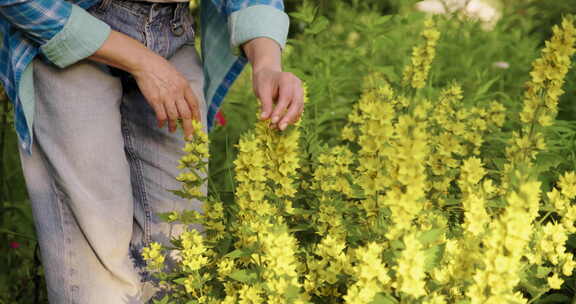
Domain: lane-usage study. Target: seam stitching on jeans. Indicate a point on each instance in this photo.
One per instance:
(138, 180)
(68, 287)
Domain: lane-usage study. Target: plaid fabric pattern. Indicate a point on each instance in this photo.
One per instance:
(221, 66)
(27, 25)
(236, 5)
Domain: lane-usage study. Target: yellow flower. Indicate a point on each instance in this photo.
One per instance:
(250, 295)
(472, 171)
(410, 270)
(567, 184)
(371, 274)
(153, 256)
(436, 299)
(416, 73)
(225, 267)
(543, 90)
(569, 265)
(193, 251)
(555, 282)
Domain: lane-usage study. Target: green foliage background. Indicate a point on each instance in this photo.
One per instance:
(21, 278)
(333, 45)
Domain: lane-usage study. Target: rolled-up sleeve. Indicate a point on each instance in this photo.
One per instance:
(254, 19)
(64, 32)
(82, 35)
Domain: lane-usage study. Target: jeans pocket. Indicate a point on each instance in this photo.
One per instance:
(100, 7)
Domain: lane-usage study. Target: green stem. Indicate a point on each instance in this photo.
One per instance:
(20, 235)
(544, 217)
(537, 297)
(332, 101)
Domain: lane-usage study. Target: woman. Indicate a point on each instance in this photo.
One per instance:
(93, 83)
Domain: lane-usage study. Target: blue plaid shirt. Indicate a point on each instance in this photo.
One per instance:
(64, 33)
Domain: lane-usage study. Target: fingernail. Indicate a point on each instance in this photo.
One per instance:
(283, 126)
(263, 115)
(275, 119)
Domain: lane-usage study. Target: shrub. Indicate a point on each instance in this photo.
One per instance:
(426, 199)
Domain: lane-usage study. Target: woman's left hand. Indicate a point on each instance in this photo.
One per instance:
(281, 94)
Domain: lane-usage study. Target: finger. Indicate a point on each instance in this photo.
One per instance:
(301, 112)
(299, 115)
(286, 93)
(186, 115)
(161, 115)
(294, 108)
(172, 112)
(193, 104)
(266, 96)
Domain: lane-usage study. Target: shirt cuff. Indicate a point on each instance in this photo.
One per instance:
(82, 35)
(258, 21)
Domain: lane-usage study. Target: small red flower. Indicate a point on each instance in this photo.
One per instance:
(220, 120)
(14, 245)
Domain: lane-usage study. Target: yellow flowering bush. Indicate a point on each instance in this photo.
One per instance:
(408, 209)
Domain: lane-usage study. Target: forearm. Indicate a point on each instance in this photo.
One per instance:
(122, 52)
(166, 90)
(263, 53)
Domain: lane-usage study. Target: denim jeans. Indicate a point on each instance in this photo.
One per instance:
(100, 167)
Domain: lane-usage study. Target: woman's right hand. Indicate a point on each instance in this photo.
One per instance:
(165, 88)
(168, 92)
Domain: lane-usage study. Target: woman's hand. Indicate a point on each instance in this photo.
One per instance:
(285, 90)
(165, 88)
(168, 93)
(280, 92)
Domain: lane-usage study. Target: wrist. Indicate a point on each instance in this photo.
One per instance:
(141, 62)
(266, 66)
(264, 54)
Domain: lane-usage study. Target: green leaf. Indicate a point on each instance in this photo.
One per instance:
(397, 244)
(390, 72)
(571, 243)
(306, 12)
(431, 236)
(554, 298)
(238, 253)
(452, 202)
(164, 216)
(182, 194)
(318, 26)
(244, 276)
(484, 88)
(179, 281)
(542, 272)
(383, 299)
(547, 161)
(301, 227)
(164, 300)
(383, 19)
(292, 292)
(302, 16)
(433, 257)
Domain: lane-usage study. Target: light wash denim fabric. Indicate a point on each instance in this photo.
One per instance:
(101, 168)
